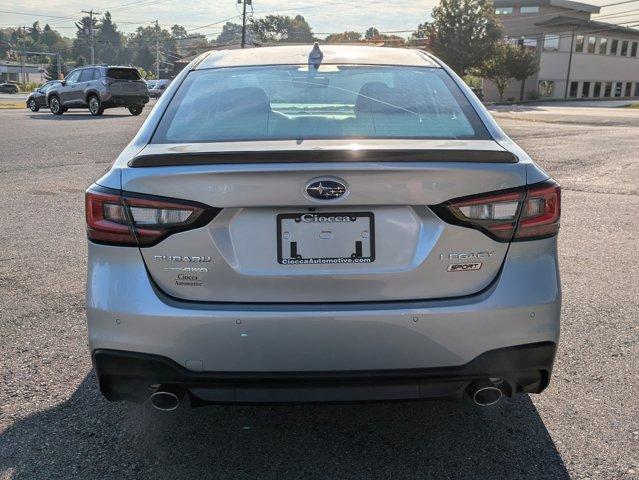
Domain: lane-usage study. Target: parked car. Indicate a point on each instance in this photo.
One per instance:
(38, 98)
(301, 225)
(157, 87)
(98, 88)
(8, 88)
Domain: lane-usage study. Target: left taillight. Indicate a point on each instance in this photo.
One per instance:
(127, 219)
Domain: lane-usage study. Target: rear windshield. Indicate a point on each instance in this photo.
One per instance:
(123, 73)
(295, 102)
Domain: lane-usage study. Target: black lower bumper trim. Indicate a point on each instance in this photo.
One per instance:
(125, 101)
(129, 376)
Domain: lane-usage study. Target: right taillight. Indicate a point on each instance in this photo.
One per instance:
(540, 214)
(128, 219)
(524, 213)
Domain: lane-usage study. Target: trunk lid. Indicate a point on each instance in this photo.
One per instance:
(398, 248)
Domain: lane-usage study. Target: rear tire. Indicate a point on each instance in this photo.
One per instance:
(55, 106)
(33, 105)
(136, 109)
(95, 106)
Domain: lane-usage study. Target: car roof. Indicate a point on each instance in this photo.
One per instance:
(333, 54)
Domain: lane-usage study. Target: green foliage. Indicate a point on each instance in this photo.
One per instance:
(533, 95)
(28, 87)
(344, 37)
(231, 33)
(52, 70)
(178, 31)
(282, 29)
(421, 36)
(464, 33)
(371, 33)
(508, 63)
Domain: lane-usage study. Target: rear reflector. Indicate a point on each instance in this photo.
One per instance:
(127, 219)
(525, 213)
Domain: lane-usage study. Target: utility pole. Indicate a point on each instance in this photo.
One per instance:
(157, 50)
(59, 63)
(244, 3)
(572, 45)
(22, 73)
(92, 33)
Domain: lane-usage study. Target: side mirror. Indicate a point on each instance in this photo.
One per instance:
(63, 82)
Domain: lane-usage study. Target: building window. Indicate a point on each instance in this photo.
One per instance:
(628, 89)
(633, 49)
(579, 43)
(529, 10)
(624, 48)
(596, 91)
(551, 43)
(591, 44)
(603, 46)
(585, 89)
(613, 47)
(574, 88)
(637, 89)
(618, 89)
(546, 88)
(607, 89)
(504, 10)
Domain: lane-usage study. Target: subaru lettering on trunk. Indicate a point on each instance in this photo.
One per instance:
(346, 225)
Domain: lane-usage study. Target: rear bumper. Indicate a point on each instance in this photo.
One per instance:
(125, 100)
(127, 313)
(128, 376)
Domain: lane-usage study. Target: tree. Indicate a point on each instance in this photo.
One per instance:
(282, 28)
(144, 58)
(421, 36)
(80, 61)
(465, 33)
(35, 32)
(344, 37)
(109, 40)
(371, 34)
(52, 40)
(508, 63)
(82, 42)
(231, 33)
(523, 64)
(143, 42)
(52, 73)
(178, 31)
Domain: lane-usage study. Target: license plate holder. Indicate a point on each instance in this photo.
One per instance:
(327, 238)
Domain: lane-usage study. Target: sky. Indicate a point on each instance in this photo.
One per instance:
(324, 16)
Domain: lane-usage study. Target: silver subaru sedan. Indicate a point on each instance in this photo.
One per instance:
(321, 224)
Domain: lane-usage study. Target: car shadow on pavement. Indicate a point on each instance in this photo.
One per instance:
(75, 116)
(88, 437)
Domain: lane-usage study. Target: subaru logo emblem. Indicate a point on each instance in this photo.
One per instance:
(325, 189)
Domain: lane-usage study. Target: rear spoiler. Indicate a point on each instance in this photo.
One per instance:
(321, 156)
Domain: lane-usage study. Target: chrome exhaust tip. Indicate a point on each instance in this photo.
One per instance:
(164, 400)
(484, 393)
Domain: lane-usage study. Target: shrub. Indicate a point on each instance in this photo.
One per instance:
(533, 95)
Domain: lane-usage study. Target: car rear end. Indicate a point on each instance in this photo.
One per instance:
(123, 87)
(345, 230)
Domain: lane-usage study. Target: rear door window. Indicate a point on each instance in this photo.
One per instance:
(295, 102)
(86, 75)
(123, 74)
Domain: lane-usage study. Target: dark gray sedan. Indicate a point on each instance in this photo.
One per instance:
(38, 98)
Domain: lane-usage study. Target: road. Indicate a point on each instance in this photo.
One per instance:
(54, 424)
(13, 97)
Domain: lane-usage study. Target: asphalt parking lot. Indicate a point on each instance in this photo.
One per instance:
(54, 424)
